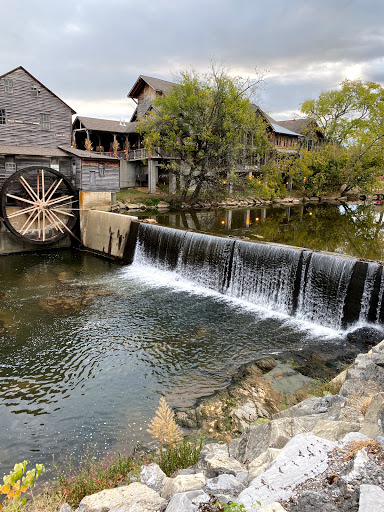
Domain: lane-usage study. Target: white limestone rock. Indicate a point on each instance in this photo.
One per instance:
(182, 483)
(135, 497)
(152, 476)
(272, 434)
(259, 465)
(334, 430)
(373, 425)
(304, 457)
(215, 460)
(371, 498)
(224, 483)
(273, 507)
(187, 501)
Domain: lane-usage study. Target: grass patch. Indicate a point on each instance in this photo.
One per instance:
(96, 475)
(323, 387)
(140, 195)
(180, 457)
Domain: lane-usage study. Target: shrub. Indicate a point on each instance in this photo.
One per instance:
(179, 457)
(15, 483)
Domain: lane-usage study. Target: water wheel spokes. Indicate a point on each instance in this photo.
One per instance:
(38, 205)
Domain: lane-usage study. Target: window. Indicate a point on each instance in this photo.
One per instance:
(8, 85)
(55, 164)
(3, 118)
(45, 122)
(10, 168)
(34, 91)
(101, 169)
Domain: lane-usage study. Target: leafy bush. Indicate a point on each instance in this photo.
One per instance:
(15, 483)
(180, 457)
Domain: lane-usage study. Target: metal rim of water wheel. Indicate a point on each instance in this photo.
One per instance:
(38, 205)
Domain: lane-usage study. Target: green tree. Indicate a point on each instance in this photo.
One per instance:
(209, 123)
(352, 120)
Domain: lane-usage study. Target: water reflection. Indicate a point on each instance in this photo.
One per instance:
(353, 229)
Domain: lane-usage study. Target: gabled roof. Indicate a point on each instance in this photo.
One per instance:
(38, 81)
(275, 125)
(30, 151)
(87, 154)
(156, 83)
(106, 125)
(300, 125)
(284, 131)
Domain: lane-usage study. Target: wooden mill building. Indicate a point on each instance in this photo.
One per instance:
(137, 166)
(36, 129)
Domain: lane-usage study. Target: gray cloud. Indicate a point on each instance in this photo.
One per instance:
(91, 51)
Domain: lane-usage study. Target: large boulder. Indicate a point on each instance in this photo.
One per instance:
(334, 430)
(273, 507)
(187, 501)
(366, 377)
(304, 457)
(182, 483)
(321, 406)
(152, 476)
(224, 484)
(135, 497)
(259, 465)
(215, 460)
(373, 425)
(272, 434)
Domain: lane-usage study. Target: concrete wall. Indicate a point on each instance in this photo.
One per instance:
(127, 174)
(10, 244)
(100, 200)
(110, 234)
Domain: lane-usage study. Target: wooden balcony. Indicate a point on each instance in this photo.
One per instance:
(143, 153)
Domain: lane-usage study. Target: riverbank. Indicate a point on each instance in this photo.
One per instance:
(323, 454)
(140, 201)
(268, 385)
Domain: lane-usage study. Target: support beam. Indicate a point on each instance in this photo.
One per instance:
(152, 176)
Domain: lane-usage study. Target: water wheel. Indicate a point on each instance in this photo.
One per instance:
(38, 205)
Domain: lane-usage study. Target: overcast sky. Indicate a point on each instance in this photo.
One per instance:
(90, 52)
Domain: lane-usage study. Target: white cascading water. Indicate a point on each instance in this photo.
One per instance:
(324, 285)
(311, 286)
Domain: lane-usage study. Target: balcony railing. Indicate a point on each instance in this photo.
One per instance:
(143, 153)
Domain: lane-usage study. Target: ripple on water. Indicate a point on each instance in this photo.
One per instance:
(93, 377)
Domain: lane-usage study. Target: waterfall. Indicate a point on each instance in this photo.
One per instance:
(327, 289)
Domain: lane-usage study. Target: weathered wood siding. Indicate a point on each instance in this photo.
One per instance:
(2, 170)
(77, 162)
(23, 112)
(30, 161)
(92, 181)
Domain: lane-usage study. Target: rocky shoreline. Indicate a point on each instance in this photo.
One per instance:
(322, 454)
(164, 206)
(263, 387)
